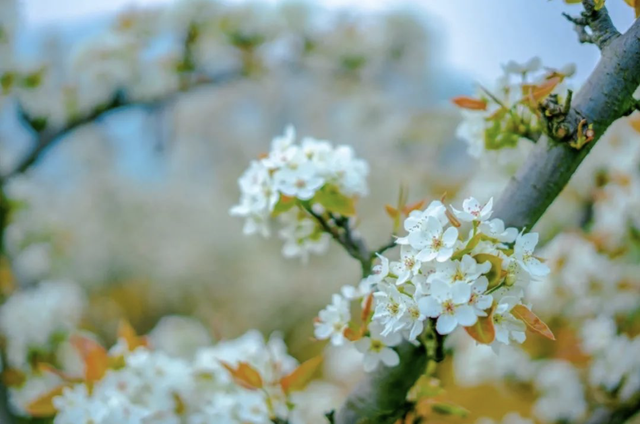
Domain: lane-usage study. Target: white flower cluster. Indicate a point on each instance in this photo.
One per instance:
(33, 320)
(295, 179)
(561, 392)
(586, 281)
(510, 418)
(455, 268)
(155, 387)
(491, 125)
(616, 364)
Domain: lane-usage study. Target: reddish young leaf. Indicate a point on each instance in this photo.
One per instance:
(452, 218)
(244, 375)
(95, 357)
(635, 121)
(351, 335)
(44, 367)
(301, 376)
(407, 209)
(391, 211)
(43, 406)
(129, 335)
(537, 93)
(470, 103)
(366, 309)
(483, 331)
(533, 322)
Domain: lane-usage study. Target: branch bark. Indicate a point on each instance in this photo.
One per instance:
(606, 96)
(598, 21)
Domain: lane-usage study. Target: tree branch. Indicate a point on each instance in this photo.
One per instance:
(602, 30)
(605, 97)
(47, 137)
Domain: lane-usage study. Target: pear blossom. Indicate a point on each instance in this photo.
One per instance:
(333, 321)
(414, 320)
(450, 305)
(466, 270)
(301, 182)
(380, 271)
(472, 210)
(508, 328)
(390, 307)
(358, 292)
(293, 172)
(479, 301)
(417, 220)
(408, 265)
(494, 228)
(377, 348)
(433, 242)
(523, 253)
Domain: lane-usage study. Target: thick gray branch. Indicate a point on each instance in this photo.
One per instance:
(606, 96)
(381, 397)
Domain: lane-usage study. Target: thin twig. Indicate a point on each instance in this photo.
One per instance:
(47, 137)
(602, 30)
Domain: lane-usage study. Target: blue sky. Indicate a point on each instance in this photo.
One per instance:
(475, 36)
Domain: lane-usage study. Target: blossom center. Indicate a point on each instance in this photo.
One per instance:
(448, 307)
(376, 345)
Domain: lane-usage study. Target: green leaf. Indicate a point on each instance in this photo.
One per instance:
(468, 248)
(495, 273)
(449, 409)
(599, 4)
(425, 387)
(330, 197)
(285, 203)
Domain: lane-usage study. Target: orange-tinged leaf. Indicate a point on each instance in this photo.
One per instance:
(483, 331)
(391, 211)
(470, 103)
(12, 377)
(540, 92)
(366, 309)
(48, 368)
(635, 121)
(413, 207)
(43, 406)
(244, 375)
(351, 335)
(301, 376)
(452, 218)
(129, 335)
(533, 322)
(95, 357)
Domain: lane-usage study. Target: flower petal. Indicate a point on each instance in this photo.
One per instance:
(465, 315)
(446, 324)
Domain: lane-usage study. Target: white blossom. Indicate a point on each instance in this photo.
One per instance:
(450, 305)
(333, 321)
(377, 348)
